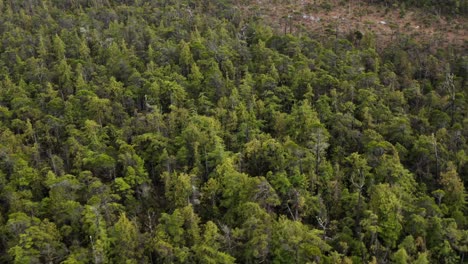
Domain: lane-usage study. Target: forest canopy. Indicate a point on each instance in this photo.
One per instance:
(188, 132)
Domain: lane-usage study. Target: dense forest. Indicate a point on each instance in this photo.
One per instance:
(178, 131)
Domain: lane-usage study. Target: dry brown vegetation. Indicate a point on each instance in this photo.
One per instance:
(343, 17)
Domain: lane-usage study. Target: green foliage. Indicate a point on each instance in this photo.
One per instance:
(126, 241)
(175, 234)
(40, 241)
(297, 242)
(188, 132)
(387, 205)
(208, 249)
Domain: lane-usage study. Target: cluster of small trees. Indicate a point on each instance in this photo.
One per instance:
(150, 132)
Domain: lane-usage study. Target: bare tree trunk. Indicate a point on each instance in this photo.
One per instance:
(434, 143)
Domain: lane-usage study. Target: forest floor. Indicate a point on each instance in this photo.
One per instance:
(343, 17)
